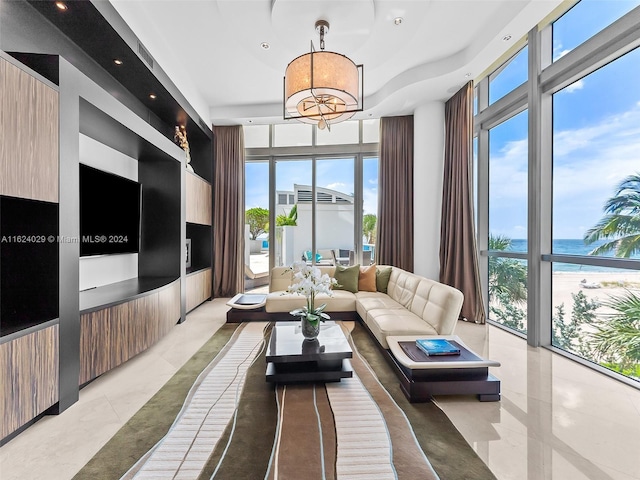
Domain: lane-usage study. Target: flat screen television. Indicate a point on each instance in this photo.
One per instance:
(110, 208)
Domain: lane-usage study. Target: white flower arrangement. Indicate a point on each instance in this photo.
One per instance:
(309, 281)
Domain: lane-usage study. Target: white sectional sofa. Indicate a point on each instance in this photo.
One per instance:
(413, 305)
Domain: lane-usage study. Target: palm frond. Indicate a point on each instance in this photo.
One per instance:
(499, 242)
(617, 334)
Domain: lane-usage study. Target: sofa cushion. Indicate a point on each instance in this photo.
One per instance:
(366, 301)
(438, 304)
(341, 301)
(347, 278)
(402, 286)
(399, 321)
(367, 279)
(382, 278)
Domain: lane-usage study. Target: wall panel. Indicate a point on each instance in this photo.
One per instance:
(198, 288)
(29, 132)
(198, 200)
(29, 375)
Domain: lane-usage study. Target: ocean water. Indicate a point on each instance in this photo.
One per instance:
(570, 247)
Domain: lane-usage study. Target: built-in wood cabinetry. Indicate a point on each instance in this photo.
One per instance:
(54, 338)
(112, 335)
(199, 232)
(29, 373)
(29, 257)
(198, 288)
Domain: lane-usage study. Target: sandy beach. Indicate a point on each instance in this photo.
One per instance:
(595, 285)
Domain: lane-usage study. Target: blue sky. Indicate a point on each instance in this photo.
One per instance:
(596, 129)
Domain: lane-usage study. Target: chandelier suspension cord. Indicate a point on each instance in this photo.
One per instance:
(313, 94)
(321, 37)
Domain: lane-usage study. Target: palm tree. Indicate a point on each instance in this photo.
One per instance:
(617, 335)
(369, 227)
(507, 276)
(291, 219)
(621, 222)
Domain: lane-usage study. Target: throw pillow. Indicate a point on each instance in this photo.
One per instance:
(347, 278)
(382, 278)
(367, 279)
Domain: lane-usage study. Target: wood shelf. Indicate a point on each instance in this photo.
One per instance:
(116, 293)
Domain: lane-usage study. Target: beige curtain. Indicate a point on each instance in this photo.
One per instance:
(458, 252)
(394, 245)
(228, 211)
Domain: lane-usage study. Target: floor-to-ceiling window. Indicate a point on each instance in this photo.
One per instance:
(559, 187)
(321, 191)
(596, 214)
(508, 167)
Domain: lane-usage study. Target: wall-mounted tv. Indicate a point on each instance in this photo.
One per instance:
(110, 208)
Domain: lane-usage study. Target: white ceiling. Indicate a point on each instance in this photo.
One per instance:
(211, 48)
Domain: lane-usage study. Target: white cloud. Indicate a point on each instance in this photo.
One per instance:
(340, 187)
(370, 201)
(589, 162)
(579, 85)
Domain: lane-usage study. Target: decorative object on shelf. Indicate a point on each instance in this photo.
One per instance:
(322, 88)
(309, 281)
(188, 252)
(180, 136)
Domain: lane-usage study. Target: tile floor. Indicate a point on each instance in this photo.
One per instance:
(556, 420)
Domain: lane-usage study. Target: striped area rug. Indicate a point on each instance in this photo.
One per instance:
(217, 418)
(350, 430)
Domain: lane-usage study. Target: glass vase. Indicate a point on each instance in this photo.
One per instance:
(309, 330)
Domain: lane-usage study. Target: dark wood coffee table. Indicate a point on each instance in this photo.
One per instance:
(291, 358)
(422, 376)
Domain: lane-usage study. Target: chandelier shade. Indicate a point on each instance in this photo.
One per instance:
(322, 87)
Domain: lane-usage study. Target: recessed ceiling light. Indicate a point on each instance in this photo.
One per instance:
(61, 6)
(265, 45)
(506, 38)
(249, 121)
(397, 20)
(152, 96)
(117, 61)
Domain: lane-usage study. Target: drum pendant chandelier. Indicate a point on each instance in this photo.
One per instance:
(322, 88)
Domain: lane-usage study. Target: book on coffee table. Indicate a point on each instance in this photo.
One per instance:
(437, 346)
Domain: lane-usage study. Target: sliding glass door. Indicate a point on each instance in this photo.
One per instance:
(334, 209)
(292, 237)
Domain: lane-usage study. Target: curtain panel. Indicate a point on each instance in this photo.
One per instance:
(395, 209)
(228, 211)
(458, 252)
